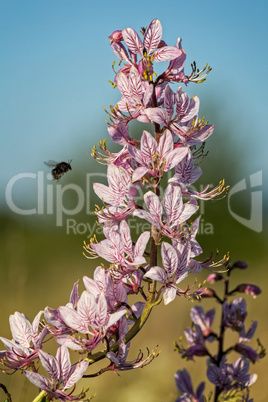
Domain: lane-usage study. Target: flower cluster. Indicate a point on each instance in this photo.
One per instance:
(230, 380)
(103, 314)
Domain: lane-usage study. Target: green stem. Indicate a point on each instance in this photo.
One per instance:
(40, 396)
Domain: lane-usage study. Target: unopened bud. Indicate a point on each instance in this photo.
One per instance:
(212, 278)
(248, 289)
(162, 43)
(141, 67)
(203, 292)
(240, 265)
(116, 36)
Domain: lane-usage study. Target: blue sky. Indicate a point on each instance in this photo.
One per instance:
(56, 64)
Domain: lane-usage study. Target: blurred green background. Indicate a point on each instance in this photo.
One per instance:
(54, 82)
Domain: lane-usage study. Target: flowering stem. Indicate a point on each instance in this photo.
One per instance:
(218, 389)
(133, 331)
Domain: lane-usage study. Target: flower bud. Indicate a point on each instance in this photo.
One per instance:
(247, 351)
(116, 36)
(203, 292)
(141, 67)
(212, 278)
(162, 43)
(248, 289)
(240, 265)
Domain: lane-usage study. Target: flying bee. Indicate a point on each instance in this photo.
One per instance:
(59, 168)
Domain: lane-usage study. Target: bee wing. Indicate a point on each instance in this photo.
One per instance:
(51, 163)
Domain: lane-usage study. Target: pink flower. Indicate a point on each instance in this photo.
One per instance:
(175, 269)
(62, 374)
(26, 342)
(154, 159)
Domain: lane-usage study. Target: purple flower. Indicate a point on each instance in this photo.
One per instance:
(119, 250)
(231, 376)
(240, 265)
(54, 318)
(248, 289)
(245, 337)
(203, 293)
(153, 158)
(176, 212)
(234, 314)
(90, 318)
(184, 123)
(214, 277)
(115, 292)
(196, 340)
(26, 342)
(203, 320)
(184, 384)
(119, 134)
(116, 36)
(147, 49)
(136, 94)
(175, 269)
(186, 173)
(62, 374)
(118, 195)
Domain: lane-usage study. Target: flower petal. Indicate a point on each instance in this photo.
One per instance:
(153, 35)
(132, 40)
